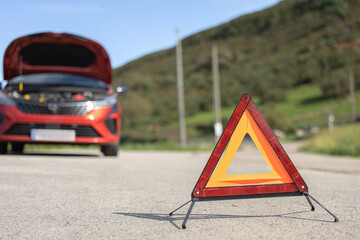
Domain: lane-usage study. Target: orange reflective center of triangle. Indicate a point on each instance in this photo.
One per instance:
(278, 173)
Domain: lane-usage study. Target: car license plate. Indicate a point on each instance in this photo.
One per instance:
(53, 135)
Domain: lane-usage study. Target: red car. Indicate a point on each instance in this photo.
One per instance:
(58, 90)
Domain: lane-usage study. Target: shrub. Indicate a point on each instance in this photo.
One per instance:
(274, 117)
(336, 84)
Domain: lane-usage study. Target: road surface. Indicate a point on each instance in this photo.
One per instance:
(62, 194)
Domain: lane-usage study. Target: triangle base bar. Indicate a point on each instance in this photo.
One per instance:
(289, 194)
(286, 194)
(245, 190)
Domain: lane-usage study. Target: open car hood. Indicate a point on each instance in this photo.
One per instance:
(54, 52)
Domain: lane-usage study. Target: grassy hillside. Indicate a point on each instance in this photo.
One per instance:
(293, 58)
(342, 141)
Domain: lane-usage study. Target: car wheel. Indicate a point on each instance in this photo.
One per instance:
(110, 150)
(17, 147)
(3, 147)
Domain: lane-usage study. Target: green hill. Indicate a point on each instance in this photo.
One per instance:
(295, 55)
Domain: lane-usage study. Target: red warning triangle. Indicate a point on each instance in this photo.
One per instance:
(283, 178)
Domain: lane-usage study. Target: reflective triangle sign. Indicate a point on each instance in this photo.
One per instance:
(283, 177)
(282, 180)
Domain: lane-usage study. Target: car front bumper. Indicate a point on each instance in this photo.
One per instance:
(92, 128)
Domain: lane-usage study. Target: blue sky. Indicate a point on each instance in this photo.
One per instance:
(128, 29)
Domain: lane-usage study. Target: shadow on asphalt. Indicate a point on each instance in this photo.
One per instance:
(57, 154)
(180, 217)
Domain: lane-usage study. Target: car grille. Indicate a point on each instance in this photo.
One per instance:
(80, 130)
(78, 109)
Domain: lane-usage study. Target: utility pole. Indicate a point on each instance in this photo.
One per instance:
(352, 95)
(331, 120)
(218, 128)
(180, 88)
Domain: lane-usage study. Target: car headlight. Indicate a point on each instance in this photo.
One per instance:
(5, 100)
(106, 102)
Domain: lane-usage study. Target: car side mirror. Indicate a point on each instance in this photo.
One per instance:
(121, 89)
(3, 84)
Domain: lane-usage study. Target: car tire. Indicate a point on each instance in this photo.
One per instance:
(3, 147)
(110, 150)
(17, 147)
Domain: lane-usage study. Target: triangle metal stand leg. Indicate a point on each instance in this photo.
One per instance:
(193, 200)
(188, 213)
(170, 214)
(307, 195)
(309, 201)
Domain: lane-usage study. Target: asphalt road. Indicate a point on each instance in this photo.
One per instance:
(83, 195)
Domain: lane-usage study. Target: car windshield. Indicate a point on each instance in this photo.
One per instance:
(56, 81)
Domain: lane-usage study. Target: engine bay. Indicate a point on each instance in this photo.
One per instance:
(58, 97)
